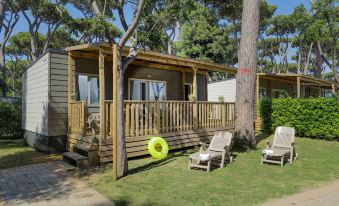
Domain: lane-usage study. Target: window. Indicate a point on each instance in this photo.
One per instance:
(146, 90)
(88, 87)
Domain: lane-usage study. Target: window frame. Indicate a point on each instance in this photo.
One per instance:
(88, 88)
(147, 81)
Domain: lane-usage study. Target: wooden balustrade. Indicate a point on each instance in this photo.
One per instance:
(155, 117)
(108, 115)
(77, 117)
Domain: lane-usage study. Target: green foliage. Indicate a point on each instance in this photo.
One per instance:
(10, 119)
(312, 117)
(204, 38)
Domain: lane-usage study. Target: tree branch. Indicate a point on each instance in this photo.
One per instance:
(133, 25)
(120, 4)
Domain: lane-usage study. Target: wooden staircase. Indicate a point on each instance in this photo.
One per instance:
(83, 156)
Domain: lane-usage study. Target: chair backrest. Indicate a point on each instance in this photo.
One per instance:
(220, 140)
(283, 137)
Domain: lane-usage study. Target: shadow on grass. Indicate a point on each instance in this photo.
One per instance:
(171, 157)
(260, 137)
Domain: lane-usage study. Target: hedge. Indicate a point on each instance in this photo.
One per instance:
(312, 117)
(10, 119)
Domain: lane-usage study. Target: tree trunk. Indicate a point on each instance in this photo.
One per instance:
(334, 64)
(246, 75)
(3, 71)
(2, 11)
(299, 62)
(307, 62)
(34, 47)
(318, 64)
(122, 163)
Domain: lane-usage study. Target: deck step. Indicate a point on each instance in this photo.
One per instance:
(89, 151)
(76, 159)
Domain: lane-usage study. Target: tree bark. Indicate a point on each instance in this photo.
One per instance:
(307, 62)
(3, 71)
(122, 163)
(246, 75)
(299, 62)
(318, 64)
(2, 12)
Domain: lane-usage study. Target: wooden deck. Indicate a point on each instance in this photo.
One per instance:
(181, 123)
(137, 146)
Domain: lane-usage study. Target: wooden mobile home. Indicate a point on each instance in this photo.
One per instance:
(275, 86)
(62, 89)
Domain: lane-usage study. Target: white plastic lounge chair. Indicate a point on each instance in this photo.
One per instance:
(282, 147)
(218, 148)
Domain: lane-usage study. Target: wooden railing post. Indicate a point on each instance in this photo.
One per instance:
(223, 115)
(157, 117)
(298, 87)
(195, 105)
(102, 94)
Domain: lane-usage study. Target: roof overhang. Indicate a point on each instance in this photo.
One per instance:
(92, 50)
(292, 78)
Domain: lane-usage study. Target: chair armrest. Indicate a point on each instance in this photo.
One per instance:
(203, 146)
(268, 144)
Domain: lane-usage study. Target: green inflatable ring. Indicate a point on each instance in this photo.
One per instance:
(158, 148)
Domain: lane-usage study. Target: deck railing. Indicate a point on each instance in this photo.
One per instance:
(77, 117)
(154, 117)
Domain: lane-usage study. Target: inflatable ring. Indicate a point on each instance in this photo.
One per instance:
(158, 148)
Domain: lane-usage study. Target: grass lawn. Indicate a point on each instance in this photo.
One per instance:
(14, 152)
(245, 182)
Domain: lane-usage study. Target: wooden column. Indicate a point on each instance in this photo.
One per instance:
(70, 87)
(269, 92)
(319, 90)
(102, 94)
(333, 88)
(114, 109)
(257, 94)
(195, 105)
(183, 86)
(298, 87)
(194, 84)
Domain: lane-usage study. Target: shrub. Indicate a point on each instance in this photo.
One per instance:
(10, 119)
(312, 117)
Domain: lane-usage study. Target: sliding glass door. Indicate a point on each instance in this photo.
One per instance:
(146, 89)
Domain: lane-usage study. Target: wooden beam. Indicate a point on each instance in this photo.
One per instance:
(319, 90)
(277, 79)
(114, 105)
(70, 87)
(257, 90)
(298, 87)
(269, 92)
(102, 94)
(194, 83)
(195, 94)
(166, 67)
